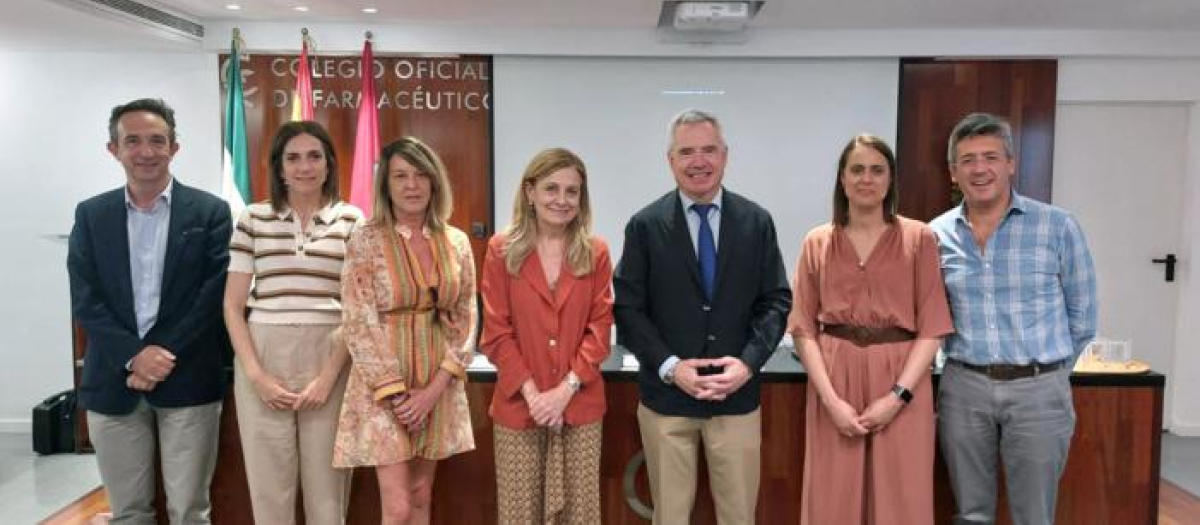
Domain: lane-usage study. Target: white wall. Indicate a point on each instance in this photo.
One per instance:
(1185, 416)
(1137, 304)
(785, 121)
(1174, 81)
(759, 41)
(55, 108)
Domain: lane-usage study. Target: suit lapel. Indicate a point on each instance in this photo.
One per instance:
(532, 273)
(730, 240)
(116, 216)
(179, 209)
(679, 237)
(566, 282)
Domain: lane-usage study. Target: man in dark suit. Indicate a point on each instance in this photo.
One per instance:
(147, 263)
(702, 301)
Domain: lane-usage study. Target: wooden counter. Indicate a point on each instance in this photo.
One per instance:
(1112, 475)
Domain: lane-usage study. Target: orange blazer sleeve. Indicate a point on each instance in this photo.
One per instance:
(499, 341)
(595, 346)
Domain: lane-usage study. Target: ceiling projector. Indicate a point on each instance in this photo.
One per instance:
(712, 16)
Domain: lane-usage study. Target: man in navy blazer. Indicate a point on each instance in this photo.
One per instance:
(147, 263)
(702, 300)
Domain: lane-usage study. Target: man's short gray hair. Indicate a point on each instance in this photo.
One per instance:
(692, 116)
(980, 125)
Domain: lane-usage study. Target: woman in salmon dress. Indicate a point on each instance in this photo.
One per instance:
(870, 311)
(408, 295)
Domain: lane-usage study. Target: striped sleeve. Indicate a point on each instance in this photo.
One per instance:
(241, 245)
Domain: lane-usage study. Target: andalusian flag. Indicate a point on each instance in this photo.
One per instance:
(235, 185)
(302, 102)
(366, 138)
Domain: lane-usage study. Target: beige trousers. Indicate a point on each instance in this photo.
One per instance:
(731, 447)
(285, 450)
(187, 446)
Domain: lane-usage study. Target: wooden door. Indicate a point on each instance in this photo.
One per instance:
(936, 94)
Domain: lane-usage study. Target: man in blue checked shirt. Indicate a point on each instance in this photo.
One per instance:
(1022, 290)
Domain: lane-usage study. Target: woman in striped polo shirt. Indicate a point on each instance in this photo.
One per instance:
(285, 265)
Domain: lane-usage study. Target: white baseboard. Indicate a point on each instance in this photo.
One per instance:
(1186, 430)
(16, 426)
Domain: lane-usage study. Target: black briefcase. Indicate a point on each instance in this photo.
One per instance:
(54, 424)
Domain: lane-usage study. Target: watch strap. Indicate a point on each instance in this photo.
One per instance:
(904, 394)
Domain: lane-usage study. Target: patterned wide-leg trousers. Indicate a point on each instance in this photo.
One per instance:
(549, 476)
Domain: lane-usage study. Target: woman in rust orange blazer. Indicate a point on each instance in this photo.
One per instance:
(547, 321)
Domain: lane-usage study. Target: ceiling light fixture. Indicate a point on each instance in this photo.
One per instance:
(370, 10)
(233, 7)
(301, 8)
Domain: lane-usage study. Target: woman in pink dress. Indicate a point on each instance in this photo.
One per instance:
(869, 314)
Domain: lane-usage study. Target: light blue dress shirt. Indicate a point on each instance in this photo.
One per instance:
(147, 249)
(1029, 296)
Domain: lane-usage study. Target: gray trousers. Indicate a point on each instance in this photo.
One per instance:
(125, 450)
(1024, 425)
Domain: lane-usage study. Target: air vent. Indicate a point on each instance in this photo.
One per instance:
(145, 14)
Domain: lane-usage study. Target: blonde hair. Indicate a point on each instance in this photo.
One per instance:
(427, 163)
(522, 231)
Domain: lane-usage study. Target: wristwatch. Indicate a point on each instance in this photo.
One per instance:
(574, 384)
(669, 377)
(904, 394)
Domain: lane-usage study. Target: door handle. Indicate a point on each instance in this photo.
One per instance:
(1170, 261)
(479, 230)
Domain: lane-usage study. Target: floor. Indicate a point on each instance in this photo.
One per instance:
(33, 487)
(1181, 462)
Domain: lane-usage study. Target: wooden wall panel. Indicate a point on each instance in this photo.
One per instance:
(444, 101)
(936, 94)
(782, 458)
(453, 115)
(1111, 476)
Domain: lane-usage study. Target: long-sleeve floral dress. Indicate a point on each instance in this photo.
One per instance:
(401, 325)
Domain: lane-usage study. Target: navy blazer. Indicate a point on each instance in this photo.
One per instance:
(661, 309)
(189, 321)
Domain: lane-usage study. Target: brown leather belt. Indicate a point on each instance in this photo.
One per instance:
(864, 336)
(1011, 372)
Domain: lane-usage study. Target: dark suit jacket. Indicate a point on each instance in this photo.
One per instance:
(661, 310)
(189, 315)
